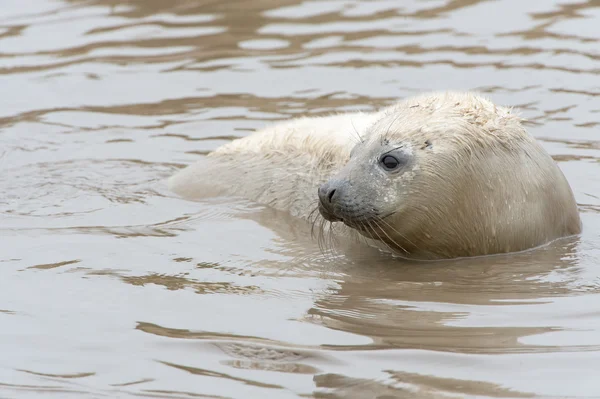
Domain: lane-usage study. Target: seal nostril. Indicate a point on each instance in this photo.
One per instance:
(330, 195)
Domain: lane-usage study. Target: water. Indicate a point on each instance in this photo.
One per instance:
(114, 287)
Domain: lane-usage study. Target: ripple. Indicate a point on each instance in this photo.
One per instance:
(54, 265)
(199, 287)
(264, 44)
(409, 385)
(67, 181)
(68, 376)
(210, 373)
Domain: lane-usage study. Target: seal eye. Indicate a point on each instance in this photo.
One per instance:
(389, 162)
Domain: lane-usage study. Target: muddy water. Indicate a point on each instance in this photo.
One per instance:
(113, 287)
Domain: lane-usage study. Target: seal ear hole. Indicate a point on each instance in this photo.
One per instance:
(427, 145)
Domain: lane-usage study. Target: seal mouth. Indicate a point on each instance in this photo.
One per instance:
(328, 215)
(363, 222)
(367, 222)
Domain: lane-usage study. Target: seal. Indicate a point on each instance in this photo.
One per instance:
(435, 176)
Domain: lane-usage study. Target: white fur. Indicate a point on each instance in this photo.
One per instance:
(281, 165)
(482, 188)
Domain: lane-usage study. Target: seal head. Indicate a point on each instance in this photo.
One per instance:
(449, 176)
(359, 196)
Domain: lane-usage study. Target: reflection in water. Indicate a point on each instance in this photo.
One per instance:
(114, 287)
(197, 371)
(447, 307)
(407, 385)
(178, 283)
(77, 375)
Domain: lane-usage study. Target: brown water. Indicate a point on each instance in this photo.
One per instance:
(113, 287)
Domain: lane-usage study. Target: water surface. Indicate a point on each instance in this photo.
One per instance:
(114, 287)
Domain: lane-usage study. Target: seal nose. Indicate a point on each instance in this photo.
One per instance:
(331, 194)
(327, 194)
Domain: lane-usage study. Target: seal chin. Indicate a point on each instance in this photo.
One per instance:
(328, 215)
(362, 223)
(352, 216)
(367, 221)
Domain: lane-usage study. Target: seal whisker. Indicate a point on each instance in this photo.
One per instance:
(363, 227)
(390, 126)
(322, 236)
(332, 238)
(329, 238)
(374, 231)
(326, 236)
(370, 230)
(360, 237)
(360, 139)
(390, 238)
(312, 222)
(380, 219)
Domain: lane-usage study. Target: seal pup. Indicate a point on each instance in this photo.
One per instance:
(435, 176)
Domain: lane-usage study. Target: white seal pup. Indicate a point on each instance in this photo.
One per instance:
(435, 176)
